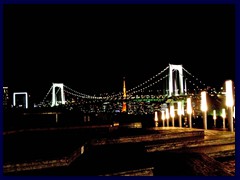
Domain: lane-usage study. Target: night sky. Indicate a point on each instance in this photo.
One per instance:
(91, 47)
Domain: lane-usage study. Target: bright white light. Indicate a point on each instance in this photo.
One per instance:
(229, 94)
(179, 108)
(163, 115)
(223, 113)
(183, 110)
(234, 112)
(214, 115)
(156, 116)
(167, 114)
(172, 111)
(203, 101)
(189, 106)
(21, 93)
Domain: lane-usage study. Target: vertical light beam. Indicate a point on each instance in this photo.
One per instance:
(180, 113)
(223, 116)
(167, 117)
(189, 111)
(204, 108)
(214, 117)
(163, 118)
(229, 103)
(172, 114)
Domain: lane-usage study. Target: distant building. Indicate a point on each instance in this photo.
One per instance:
(6, 100)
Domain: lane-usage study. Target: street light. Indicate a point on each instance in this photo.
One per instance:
(234, 112)
(214, 117)
(223, 116)
(167, 117)
(172, 114)
(156, 118)
(180, 113)
(163, 118)
(189, 111)
(229, 103)
(204, 107)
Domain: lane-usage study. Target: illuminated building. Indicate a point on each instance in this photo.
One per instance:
(6, 103)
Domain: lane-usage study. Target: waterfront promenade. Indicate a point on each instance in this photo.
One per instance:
(107, 150)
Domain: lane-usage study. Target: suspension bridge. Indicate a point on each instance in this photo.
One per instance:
(173, 82)
(174, 90)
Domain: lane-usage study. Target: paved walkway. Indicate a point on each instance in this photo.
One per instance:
(134, 142)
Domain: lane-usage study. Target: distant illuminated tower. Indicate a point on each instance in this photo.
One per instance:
(124, 107)
(55, 101)
(173, 85)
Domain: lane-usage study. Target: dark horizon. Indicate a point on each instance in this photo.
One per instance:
(90, 48)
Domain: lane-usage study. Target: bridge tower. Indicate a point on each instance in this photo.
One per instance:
(54, 94)
(172, 83)
(124, 107)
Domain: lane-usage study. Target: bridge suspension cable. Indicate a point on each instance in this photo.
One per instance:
(196, 80)
(148, 86)
(147, 81)
(133, 90)
(139, 88)
(46, 95)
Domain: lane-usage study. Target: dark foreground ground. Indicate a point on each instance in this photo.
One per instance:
(119, 151)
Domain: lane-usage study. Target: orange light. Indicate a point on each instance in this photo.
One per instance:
(124, 107)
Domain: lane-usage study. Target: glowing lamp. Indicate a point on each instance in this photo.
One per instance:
(229, 94)
(203, 101)
(156, 116)
(234, 111)
(179, 108)
(214, 115)
(167, 114)
(172, 111)
(189, 107)
(223, 113)
(163, 115)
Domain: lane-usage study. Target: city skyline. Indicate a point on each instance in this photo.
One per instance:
(92, 47)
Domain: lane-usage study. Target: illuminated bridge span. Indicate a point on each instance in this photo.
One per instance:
(172, 90)
(172, 82)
